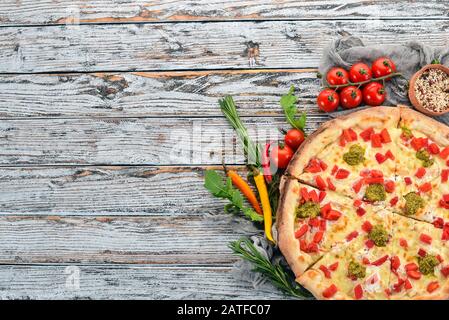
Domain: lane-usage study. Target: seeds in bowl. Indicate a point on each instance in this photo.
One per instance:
(432, 90)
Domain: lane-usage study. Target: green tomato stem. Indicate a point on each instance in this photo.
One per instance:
(395, 74)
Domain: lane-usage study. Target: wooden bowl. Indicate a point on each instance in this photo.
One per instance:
(411, 90)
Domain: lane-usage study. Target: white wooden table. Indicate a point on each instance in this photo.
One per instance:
(93, 95)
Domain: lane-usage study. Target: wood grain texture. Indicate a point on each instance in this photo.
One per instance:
(162, 94)
(26, 12)
(134, 240)
(181, 46)
(149, 141)
(119, 191)
(129, 282)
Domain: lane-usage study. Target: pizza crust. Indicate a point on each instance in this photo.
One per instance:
(313, 281)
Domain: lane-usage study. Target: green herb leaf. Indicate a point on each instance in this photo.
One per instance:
(288, 103)
(252, 215)
(275, 273)
(435, 61)
(214, 183)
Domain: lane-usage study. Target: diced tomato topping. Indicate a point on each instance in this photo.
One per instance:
(349, 135)
(369, 243)
(445, 235)
(314, 222)
(420, 173)
(357, 186)
(380, 261)
(330, 291)
(312, 247)
(313, 166)
(365, 173)
(367, 226)
(397, 287)
(389, 186)
(301, 231)
(323, 225)
(365, 260)
(323, 165)
(333, 266)
(387, 292)
(403, 243)
(366, 134)
(380, 158)
(352, 235)
(321, 196)
(394, 201)
(408, 284)
(325, 209)
(304, 194)
(425, 187)
(432, 286)
(376, 173)
(320, 183)
(342, 174)
(411, 266)
(443, 204)
(395, 262)
(416, 275)
(342, 141)
(360, 211)
(444, 153)
(438, 223)
(389, 155)
(357, 203)
(333, 215)
(334, 169)
(303, 245)
(326, 271)
(433, 148)
(376, 140)
(418, 143)
(408, 181)
(440, 258)
(444, 175)
(385, 136)
(318, 236)
(313, 196)
(425, 238)
(422, 253)
(330, 185)
(358, 292)
(445, 271)
(373, 180)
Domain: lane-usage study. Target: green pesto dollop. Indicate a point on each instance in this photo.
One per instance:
(427, 264)
(356, 270)
(375, 192)
(413, 202)
(379, 235)
(406, 132)
(308, 209)
(424, 156)
(355, 155)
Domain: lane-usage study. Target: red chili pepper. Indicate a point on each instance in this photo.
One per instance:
(318, 236)
(320, 183)
(266, 163)
(301, 231)
(444, 153)
(326, 271)
(380, 261)
(358, 292)
(330, 185)
(342, 174)
(334, 266)
(367, 226)
(394, 201)
(433, 148)
(408, 181)
(366, 134)
(432, 286)
(352, 235)
(376, 140)
(425, 187)
(420, 173)
(330, 291)
(425, 238)
(385, 136)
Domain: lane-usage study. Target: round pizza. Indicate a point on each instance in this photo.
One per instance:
(364, 209)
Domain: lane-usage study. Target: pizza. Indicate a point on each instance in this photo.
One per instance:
(364, 208)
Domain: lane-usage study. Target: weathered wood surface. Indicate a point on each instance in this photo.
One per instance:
(148, 141)
(181, 46)
(128, 282)
(155, 94)
(164, 192)
(133, 240)
(27, 12)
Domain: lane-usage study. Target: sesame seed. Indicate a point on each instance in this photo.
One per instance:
(432, 90)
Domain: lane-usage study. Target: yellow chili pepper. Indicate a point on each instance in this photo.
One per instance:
(265, 201)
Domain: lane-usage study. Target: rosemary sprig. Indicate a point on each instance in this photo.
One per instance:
(275, 273)
(251, 150)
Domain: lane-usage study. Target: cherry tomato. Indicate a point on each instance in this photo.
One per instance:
(360, 72)
(350, 97)
(294, 138)
(337, 76)
(281, 156)
(328, 100)
(374, 94)
(383, 67)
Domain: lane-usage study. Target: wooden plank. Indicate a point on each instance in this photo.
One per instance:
(149, 141)
(27, 12)
(120, 191)
(188, 93)
(131, 240)
(127, 282)
(181, 46)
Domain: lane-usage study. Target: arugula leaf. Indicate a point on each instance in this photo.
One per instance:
(214, 183)
(288, 103)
